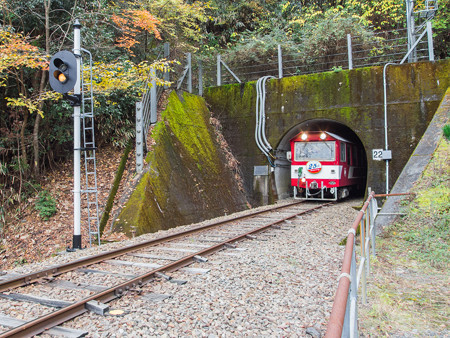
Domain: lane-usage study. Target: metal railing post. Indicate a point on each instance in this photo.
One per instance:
(200, 78)
(430, 42)
(280, 63)
(349, 51)
(343, 320)
(153, 99)
(353, 298)
(374, 205)
(346, 324)
(368, 237)
(219, 68)
(139, 138)
(363, 255)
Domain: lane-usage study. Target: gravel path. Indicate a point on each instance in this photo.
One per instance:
(276, 285)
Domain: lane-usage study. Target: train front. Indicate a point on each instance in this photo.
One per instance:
(315, 165)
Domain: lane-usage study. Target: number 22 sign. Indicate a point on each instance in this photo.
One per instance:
(377, 154)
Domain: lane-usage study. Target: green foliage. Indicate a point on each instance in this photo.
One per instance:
(45, 205)
(259, 47)
(426, 227)
(441, 31)
(115, 114)
(323, 34)
(446, 131)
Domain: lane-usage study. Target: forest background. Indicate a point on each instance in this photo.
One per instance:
(126, 39)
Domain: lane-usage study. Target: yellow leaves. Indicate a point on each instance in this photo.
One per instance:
(122, 75)
(32, 103)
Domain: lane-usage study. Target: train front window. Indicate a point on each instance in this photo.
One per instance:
(306, 151)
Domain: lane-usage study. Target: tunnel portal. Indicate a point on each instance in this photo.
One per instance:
(283, 164)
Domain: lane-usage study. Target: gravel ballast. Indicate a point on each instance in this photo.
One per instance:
(280, 284)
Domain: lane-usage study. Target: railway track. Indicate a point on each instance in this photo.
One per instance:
(89, 283)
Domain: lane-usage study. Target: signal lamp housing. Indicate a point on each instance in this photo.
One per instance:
(63, 72)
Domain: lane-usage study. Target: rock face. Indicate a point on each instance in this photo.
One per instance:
(187, 179)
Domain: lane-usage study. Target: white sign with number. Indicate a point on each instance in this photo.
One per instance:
(377, 154)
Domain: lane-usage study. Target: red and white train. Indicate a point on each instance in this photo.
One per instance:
(325, 166)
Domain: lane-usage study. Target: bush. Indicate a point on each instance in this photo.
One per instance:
(446, 130)
(46, 205)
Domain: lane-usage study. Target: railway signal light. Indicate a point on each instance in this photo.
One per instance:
(63, 72)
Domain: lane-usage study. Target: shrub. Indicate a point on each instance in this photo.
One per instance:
(446, 130)
(46, 205)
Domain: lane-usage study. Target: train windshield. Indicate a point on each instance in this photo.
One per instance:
(306, 151)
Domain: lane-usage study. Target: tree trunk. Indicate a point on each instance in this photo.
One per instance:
(36, 163)
(23, 146)
(36, 167)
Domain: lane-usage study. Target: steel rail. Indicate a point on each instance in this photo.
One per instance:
(83, 262)
(58, 317)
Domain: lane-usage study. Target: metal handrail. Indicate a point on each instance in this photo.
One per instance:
(344, 316)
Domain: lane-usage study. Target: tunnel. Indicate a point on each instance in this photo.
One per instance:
(282, 173)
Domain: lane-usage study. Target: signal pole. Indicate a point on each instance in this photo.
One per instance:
(77, 142)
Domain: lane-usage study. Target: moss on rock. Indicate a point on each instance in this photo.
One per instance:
(186, 180)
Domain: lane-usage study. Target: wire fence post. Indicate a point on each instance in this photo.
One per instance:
(349, 51)
(374, 211)
(200, 78)
(153, 98)
(280, 63)
(139, 138)
(430, 42)
(189, 65)
(219, 69)
(166, 56)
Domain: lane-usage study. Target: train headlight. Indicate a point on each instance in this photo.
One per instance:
(303, 180)
(323, 136)
(304, 136)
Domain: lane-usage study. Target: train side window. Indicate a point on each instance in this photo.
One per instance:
(343, 152)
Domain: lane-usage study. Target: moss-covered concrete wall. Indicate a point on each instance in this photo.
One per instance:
(352, 98)
(186, 179)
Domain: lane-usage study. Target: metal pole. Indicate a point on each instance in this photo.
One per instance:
(353, 296)
(139, 138)
(189, 64)
(77, 143)
(374, 208)
(200, 78)
(386, 146)
(219, 75)
(430, 42)
(280, 63)
(153, 99)
(349, 51)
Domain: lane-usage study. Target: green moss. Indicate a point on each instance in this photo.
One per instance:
(186, 170)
